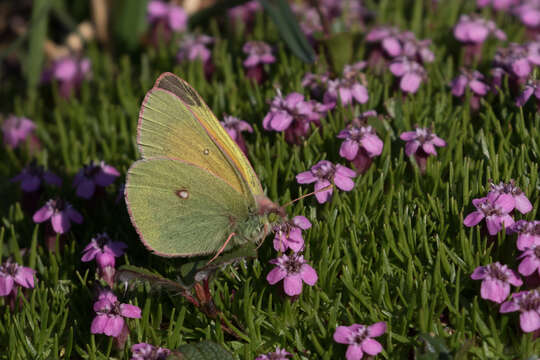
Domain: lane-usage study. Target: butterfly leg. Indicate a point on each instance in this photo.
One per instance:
(222, 248)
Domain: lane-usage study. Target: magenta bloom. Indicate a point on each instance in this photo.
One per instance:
(516, 60)
(235, 127)
(521, 202)
(93, 175)
(323, 174)
(528, 233)
(360, 339)
(293, 270)
(388, 38)
(528, 12)
(421, 142)
(473, 80)
(104, 250)
(294, 115)
(16, 130)
(475, 30)
(532, 87)
(144, 351)
(528, 304)
(173, 17)
(317, 83)
(244, 13)
(495, 209)
(410, 72)
(259, 53)
(32, 177)
(195, 47)
(496, 281)
(346, 90)
(531, 260)
(416, 49)
(13, 275)
(288, 234)
(279, 354)
(69, 72)
(361, 142)
(61, 214)
(110, 315)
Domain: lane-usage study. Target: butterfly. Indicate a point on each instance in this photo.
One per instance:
(194, 192)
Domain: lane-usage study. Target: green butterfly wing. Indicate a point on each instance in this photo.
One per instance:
(181, 209)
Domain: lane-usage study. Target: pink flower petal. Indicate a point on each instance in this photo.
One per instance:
(348, 149)
(529, 320)
(86, 189)
(275, 275)
(410, 82)
(98, 324)
(371, 347)
(308, 274)
(306, 177)
(292, 285)
(505, 202)
(372, 144)
(411, 147)
(377, 329)
(130, 311)
(323, 196)
(479, 273)
(60, 222)
(6, 285)
(302, 222)
(114, 326)
(522, 203)
(354, 352)
(473, 218)
(529, 265)
(494, 290)
(408, 136)
(509, 306)
(43, 214)
(341, 335)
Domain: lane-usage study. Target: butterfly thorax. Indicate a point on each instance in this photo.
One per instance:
(253, 229)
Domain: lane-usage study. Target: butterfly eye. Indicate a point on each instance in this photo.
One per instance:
(206, 151)
(182, 194)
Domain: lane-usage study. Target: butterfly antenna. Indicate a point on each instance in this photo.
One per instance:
(221, 249)
(306, 195)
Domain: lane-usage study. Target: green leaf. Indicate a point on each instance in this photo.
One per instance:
(37, 36)
(340, 49)
(130, 22)
(281, 14)
(205, 350)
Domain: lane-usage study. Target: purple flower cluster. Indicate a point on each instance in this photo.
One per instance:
(94, 176)
(360, 339)
(172, 18)
(16, 130)
(195, 47)
(472, 80)
(235, 127)
(349, 88)
(407, 54)
(32, 177)
(69, 71)
(60, 212)
(325, 174)
(294, 115)
(421, 143)
(472, 29)
(361, 143)
(279, 354)
(104, 251)
(110, 314)
(497, 278)
(13, 276)
(527, 11)
(259, 53)
(144, 351)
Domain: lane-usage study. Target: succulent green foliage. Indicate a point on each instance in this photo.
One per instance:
(206, 350)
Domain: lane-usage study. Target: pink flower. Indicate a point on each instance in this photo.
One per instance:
(294, 115)
(495, 209)
(528, 12)
(496, 281)
(234, 128)
(279, 354)
(16, 130)
(13, 275)
(104, 250)
(258, 53)
(110, 314)
(360, 339)
(517, 60)
(293, 270)
(144, 351)
(474, 80)
(61, 214)
(288, 235)
(195, 47)
(531, 260)
(389, 39)
(528, 304)
(415, 49)
(69, 71)
(532, 87)
(528, 233)
(244, 13)
(93, 175)
(410, 72)
(521, 202)
(421, 140)
(32, 176)
(317, 83)
(473, 29)
(361, 142)
(323, 174)
(170, 15)
(346, 90)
